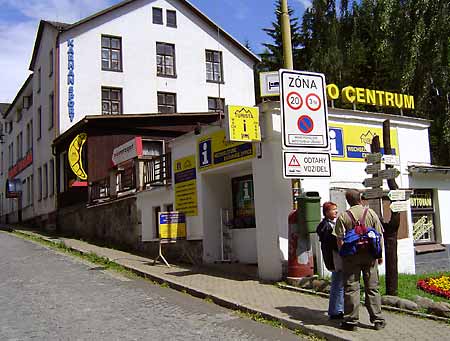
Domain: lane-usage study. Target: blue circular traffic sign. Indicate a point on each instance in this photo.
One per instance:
(305, 124)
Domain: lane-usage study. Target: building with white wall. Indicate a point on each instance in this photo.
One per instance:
(139, 56)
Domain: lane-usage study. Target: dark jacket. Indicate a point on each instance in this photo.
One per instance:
(328, 242)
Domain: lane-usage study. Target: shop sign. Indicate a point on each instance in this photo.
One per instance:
(172, 225)
(304, 111)
(300, 165)
(214, 150)
(127, 151)
(352, 142)
(242, 123)
(269, 84)
(380, 98)
(70, 79)
(422, 199)
(75, 156)
(185, 178)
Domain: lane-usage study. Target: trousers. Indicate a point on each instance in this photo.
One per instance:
(353, 266)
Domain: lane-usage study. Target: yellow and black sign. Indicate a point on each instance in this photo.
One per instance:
(243, 123)
(215, 150)
(185, 174)
(172, 225)
(74, 155)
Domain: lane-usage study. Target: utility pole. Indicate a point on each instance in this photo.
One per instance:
(288, 64)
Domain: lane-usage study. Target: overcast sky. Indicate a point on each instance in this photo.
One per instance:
(19, 20)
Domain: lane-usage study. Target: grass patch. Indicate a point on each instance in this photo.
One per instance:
(89, 257)
(407, 286)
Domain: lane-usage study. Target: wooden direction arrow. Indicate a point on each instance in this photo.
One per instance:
(373, 157)
(390, 173)
(373, 182)
(398, 206)
(373, 169)
(392, 160)
(373, 193)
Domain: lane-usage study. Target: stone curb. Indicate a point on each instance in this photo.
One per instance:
(224, 302)
(385, 307)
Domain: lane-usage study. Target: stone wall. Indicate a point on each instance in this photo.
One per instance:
(118, 224)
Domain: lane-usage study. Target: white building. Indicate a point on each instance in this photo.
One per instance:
(140, 56)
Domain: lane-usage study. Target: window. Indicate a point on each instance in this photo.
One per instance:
(165, 59)
(214, 66)
(216, 104)
(1, 164)
(50, 111)
(243, 202)
(39, 127)
(20, 145)
(111, 53)
(40, 183)
(171, 17)
(111, 101)
(51, 177)
(422, 210)
(29, 135)
(45, 189)
(39, 80)
(167, 103)
(18, 156)
(157, 15)
(50, 63)
(10, 155)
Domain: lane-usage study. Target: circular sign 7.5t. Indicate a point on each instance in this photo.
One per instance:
(304, 114)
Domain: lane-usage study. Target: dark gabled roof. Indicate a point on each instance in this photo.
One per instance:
(56, 25)
(6, 113)
(66, 27)
(4, 107)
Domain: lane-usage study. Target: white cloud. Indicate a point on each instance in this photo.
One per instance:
(305, 3)
(17, 37)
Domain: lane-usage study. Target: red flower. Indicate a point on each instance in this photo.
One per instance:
(425, 285)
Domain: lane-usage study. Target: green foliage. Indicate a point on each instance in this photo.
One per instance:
(398, 46)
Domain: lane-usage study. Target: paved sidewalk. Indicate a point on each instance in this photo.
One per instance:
(295, 309)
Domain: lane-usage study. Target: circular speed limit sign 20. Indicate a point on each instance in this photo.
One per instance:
(294, 100)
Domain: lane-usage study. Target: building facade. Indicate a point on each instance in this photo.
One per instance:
(140, 56)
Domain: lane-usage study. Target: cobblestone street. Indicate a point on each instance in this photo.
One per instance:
(45, 295)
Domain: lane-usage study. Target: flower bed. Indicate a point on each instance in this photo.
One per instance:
(437, 286)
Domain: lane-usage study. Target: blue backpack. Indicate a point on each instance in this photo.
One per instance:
(361, 237)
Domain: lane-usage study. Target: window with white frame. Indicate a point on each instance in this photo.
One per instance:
(111, 101)
(167, 102)
(157, 14)
(111, 53)
(214, 68)
(165, 59)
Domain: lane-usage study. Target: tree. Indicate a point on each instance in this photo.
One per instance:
(272, 56)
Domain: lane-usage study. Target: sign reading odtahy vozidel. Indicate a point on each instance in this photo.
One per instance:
(303, 110)
(70, 79)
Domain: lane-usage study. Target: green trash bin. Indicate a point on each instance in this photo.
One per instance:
(309, 211)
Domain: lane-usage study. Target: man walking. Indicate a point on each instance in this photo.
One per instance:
(362, 261)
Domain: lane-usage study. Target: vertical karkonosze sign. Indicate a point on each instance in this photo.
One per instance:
(70, 79)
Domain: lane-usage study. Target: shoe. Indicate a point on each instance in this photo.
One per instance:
(339, 316)
(350, 326)
(378, 325)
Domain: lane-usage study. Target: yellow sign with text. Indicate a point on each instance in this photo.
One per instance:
(242, 123)
(185, 176)
(172, 225)
(215, 150)
(352, 143)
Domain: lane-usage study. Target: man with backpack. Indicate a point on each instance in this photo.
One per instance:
(354, 230)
